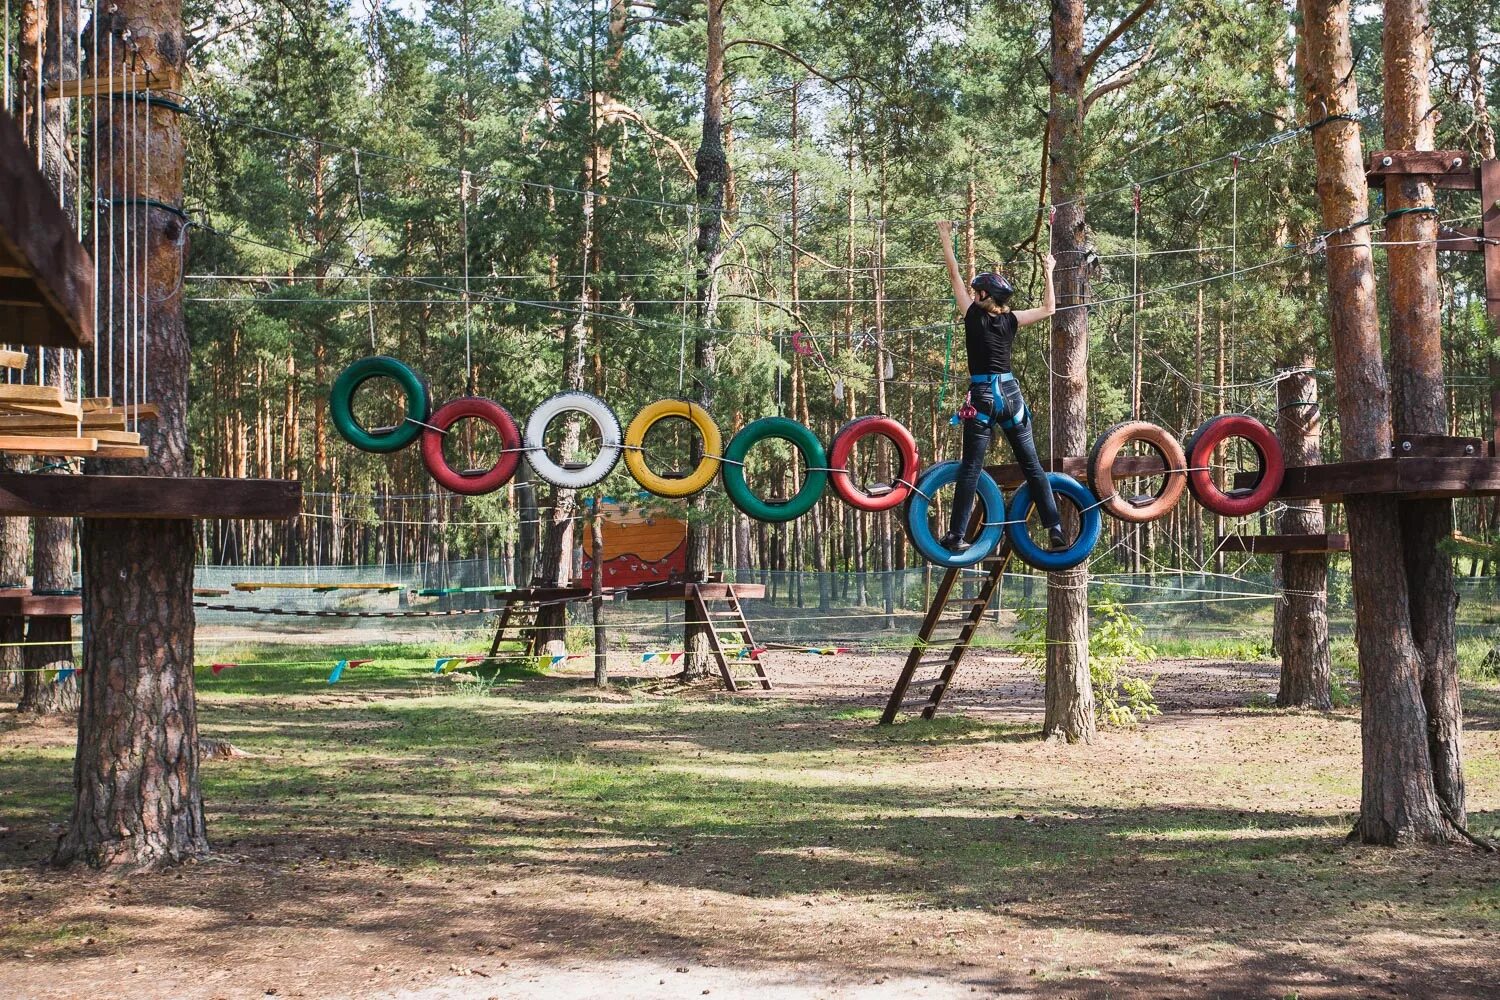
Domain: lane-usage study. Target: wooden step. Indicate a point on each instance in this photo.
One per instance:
(41, 444)
(122, 451)
(13, 359)
(44, 423)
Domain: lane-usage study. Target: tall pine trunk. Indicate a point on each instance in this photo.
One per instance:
(1398, 800)
(1418, 399)
(712, 164)
(1069, 689)
(1306, 679)
(135, 776)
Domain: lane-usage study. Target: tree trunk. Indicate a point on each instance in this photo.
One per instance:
(1305, 669)
(1069, 689)
(1398, 800)
(139, 803)
(712, 164)
(1418, 399)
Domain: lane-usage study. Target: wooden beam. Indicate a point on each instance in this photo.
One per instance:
(43, 444)
(1268, 544)
(122, 451)
(66, 408)
(668, 591)
(108, 86)
(1437, 446)
(35, 235)
(152, 497)
(20, 602)
(36, 394)
(12, 359)
(1429, 478)
(1455, 166)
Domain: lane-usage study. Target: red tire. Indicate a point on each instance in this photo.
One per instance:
(471, 483)
(843, 446)
(1236, 502)
(1136, 510)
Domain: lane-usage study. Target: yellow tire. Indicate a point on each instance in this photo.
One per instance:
(635, 459)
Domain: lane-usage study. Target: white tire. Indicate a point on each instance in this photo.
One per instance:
(604, 419)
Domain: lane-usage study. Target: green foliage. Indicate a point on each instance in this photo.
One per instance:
(1116, 643)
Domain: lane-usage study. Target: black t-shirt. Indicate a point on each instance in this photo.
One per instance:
(989, 337)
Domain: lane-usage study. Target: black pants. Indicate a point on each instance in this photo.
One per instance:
(977, 437)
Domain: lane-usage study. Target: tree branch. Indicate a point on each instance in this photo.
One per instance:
(1123, 78)
(1093, 57)
(835, 81)
(612, 111)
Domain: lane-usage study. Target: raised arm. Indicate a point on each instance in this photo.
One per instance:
(1025, 317)
(961, 296)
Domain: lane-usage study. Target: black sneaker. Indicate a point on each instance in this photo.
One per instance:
(1056, 538)
(953, 542)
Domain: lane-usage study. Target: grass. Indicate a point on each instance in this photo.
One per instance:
(1228, 835)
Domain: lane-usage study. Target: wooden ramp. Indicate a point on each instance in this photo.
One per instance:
(937, 645)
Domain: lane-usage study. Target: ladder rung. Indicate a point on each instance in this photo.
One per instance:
(939, 661)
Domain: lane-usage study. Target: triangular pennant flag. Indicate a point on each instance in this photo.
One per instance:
(338, 671)
(442, 662)
(558, 659)
(219, 668)
(676, 657)
(65, 673)
(647, 657)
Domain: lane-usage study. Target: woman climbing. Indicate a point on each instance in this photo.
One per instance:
(994, 394)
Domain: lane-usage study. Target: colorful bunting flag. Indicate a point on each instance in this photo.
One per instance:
(219, 668)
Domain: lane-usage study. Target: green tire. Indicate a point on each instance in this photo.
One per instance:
(800, 438)
(385, 440)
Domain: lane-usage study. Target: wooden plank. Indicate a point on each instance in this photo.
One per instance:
(209, 592)
(145, 411)
(151, 497)
(249, 587)
(43, 444)
(36, 235)
(35, 394)
(114, 437)
(48, 422)
(22, 602)
(108, 86)
(122, 451)
(1269, 544)
(1418, 478)
(683, 591)
(1454, 163)
(1437, 445)
(66, 409)
(12, 359)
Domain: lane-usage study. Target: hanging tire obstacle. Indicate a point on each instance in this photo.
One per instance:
(1054, 560)
(991, 502)
(604, 420)
(842, 448)
(703, 473)
(1236, 502)
(1137, 510)
(382, 440)
(813, 456)
(471, 483)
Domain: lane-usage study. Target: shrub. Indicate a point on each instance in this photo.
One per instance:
(1117, 639)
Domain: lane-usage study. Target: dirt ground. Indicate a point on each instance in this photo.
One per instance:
(544, 841)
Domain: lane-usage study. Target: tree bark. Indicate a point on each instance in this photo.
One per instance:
(1419, 400)
(1306, 679)
(712, 164)
(1398, 800)
(1069, 688)
(139, 803)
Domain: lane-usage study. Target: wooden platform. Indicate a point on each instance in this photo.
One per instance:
(18, 603)
(321, 588)
(1419, 477)
(708, 591)
(153, 497)
(1280, 544)
(1009, 474)
(46, 278)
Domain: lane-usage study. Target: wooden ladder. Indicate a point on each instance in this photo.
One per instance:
(519, 615)
(929, 642)
(740, 650)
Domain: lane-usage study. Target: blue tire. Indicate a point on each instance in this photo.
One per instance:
(917, 507)
(1052, 561)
